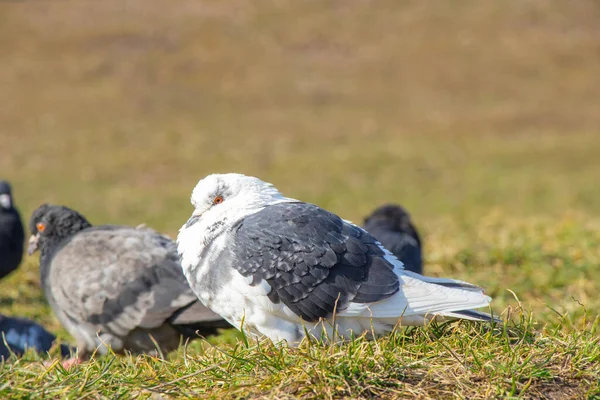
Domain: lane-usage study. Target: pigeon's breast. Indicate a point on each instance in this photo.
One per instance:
(208, 274)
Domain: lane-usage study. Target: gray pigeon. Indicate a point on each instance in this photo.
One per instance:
(12, 235)
(278, 267)
(392, 226)
(116, 286)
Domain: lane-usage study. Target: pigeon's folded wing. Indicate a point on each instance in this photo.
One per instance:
(314, 262)
(119, 279)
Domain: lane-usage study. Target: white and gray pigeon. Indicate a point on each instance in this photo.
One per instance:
(393, 228)
(282, 267)
(12, 235)
(116, 286)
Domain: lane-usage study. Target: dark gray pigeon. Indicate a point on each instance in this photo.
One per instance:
(12, 235)
(393, 227)
(116, 286)
(19, 334)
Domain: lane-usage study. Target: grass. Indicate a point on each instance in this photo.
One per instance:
(441, 361)
(480, 117)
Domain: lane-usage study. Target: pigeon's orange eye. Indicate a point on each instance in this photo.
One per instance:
(218, 200)
(40, 226)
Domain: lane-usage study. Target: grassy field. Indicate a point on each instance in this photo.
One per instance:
(480, 117)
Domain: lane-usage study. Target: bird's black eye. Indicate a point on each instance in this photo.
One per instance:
(218, 200)
(41, 227)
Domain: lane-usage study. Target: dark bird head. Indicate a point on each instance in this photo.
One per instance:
(6, 202)
(392, 217)
(50, 225)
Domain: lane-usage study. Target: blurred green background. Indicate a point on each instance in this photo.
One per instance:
(481, 117)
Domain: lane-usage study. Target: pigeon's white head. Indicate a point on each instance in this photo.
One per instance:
(231, 195)
(220, 201)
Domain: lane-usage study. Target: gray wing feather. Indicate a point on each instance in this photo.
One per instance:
(117, 279)
(195, 313)
(312, 259)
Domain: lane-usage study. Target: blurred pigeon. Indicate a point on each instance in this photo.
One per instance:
(12, 235)
(115, 286)
(19, 334)
(282, 268)
(391, 225)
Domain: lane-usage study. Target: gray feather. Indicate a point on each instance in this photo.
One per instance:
(312, 259)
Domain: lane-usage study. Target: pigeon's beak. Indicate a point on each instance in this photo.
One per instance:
(33, 244)
(194, 218)
(5, 201)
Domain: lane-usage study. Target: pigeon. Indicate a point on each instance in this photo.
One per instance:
(391, 225)
(281, 268)
(116, 286)
(19, 334)
(12, 235)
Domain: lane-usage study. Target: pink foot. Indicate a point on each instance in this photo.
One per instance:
(66, 364)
